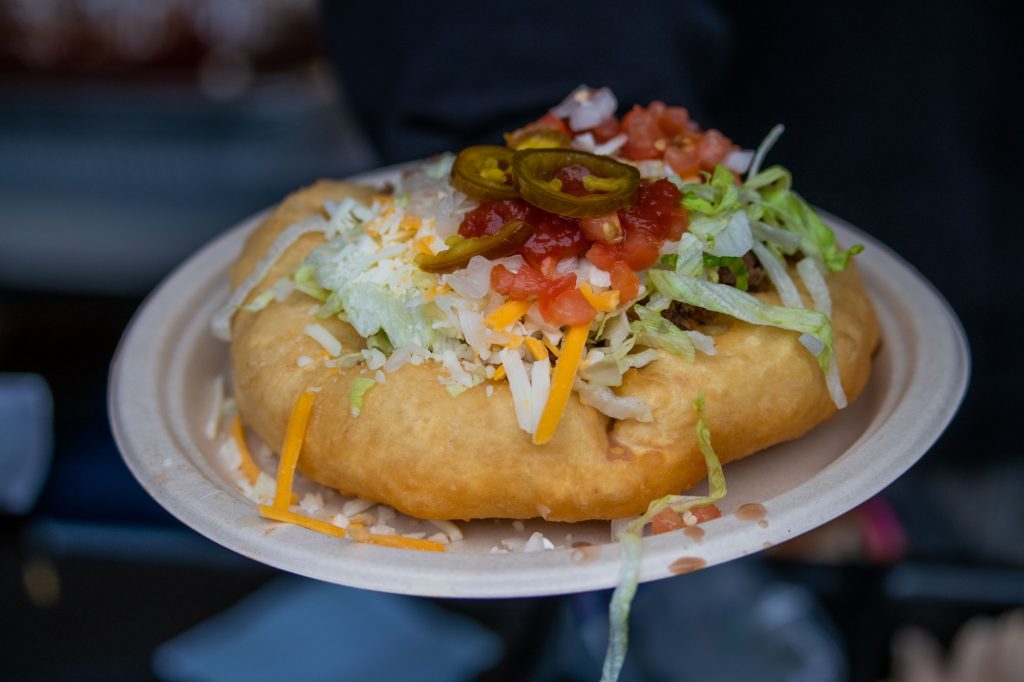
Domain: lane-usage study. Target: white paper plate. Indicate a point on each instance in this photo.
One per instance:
(159, 402)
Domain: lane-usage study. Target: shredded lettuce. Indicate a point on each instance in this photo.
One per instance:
(734, 264)
(305, 281)
(655, 331)
(372, 307)
(632, 547)
(718, 196)
(779, 206)
(357, 391)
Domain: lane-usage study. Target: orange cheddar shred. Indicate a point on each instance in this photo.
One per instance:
(248, 467)
(507, 313)
(294, 436)
(285, 516)
(561, 382)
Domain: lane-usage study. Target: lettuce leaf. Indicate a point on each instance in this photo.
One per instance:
(654, 331)
(632, 547)
(357, 391)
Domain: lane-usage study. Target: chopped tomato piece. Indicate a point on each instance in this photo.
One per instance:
(640, 250)
(674, 120)
(606, 130)
(491, 216)
(551, 122)
(678, 221)
(666, 520)
(641, 125)
(713, 148)
(683, 160)
(567, 308)
(603, 228)
(625, 281)
(706, 513)
(527, 284)
(501, 279)
(553, 235)
(602, 256)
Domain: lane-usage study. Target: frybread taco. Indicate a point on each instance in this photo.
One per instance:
(523, 330)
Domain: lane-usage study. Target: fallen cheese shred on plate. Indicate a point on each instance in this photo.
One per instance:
(294, 437)
(248, 466)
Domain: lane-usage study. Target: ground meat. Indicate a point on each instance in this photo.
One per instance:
(755, 273)
(686, 316)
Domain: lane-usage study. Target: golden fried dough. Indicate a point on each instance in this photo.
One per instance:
(430, 455)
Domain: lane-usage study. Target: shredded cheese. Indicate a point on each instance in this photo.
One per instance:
(537, 348)
(506, 314)
(499, 373)
(247, 467)
(285, 516)
(561, 385)
(551, 347)
(603, 302)
(325, 338)
(294, 436)
(360, 534)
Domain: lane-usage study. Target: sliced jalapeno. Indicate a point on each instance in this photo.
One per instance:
(460, 249)
(537, 138)
(484, 172)
(614, 185)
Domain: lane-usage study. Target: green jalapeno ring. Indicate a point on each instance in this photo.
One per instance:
(460, 249)
(534, 169)
(481, 172)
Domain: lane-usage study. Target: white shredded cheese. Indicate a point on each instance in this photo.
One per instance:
(216, 407)
(319, 333)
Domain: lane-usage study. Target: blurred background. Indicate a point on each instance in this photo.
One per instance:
(132, 132)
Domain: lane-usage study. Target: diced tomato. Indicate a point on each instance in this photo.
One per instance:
(602, 256)
(678, 221)
(683, 160)
(641, 125)
(527, 284)
(561, 285)
(625, 281)
(603, 228)
(551, 122)
(606, 130)
(555, 236)
(640, 250)
(713, 148)
(706, 513)
(567, 308)
(491, 216)
(501, 279)
(666, 520)
(674, 121)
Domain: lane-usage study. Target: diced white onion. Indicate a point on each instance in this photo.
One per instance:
(473, 281)
(739, 161)
(537, 543)
(611, 146)
(587, 108)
